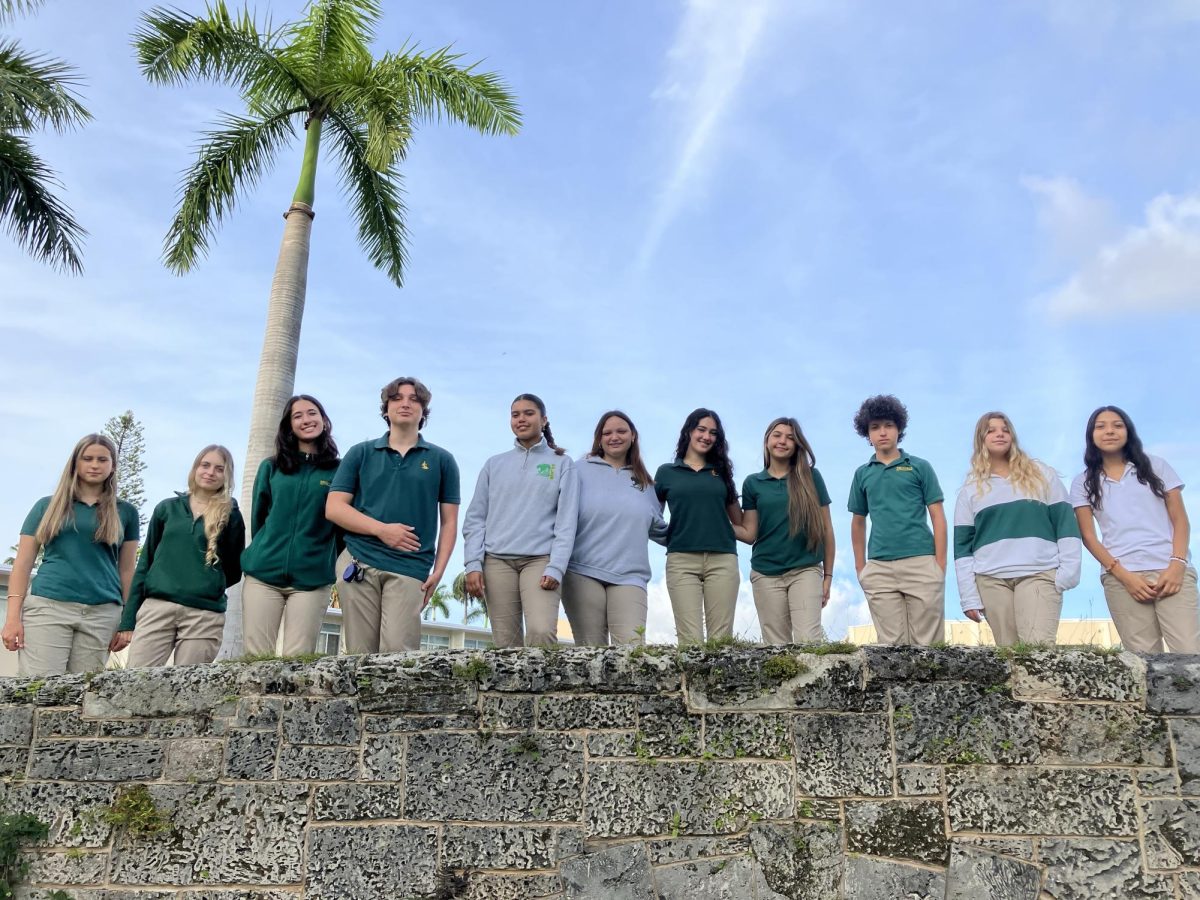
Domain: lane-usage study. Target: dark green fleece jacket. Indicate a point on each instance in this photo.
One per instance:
(171, 566)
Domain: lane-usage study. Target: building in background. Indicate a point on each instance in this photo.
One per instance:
(964, 632)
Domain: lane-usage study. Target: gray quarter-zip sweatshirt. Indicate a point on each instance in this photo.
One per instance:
(616, 517)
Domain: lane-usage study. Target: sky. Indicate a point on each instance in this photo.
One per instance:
(766, 207)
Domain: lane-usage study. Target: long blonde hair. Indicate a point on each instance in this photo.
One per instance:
(1023, 471)
(804, 506)
(216, 514)
(61, 509)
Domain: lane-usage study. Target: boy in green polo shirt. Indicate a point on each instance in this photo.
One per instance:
(394, 496)
(903, 572)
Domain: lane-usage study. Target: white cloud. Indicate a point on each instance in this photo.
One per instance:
(713, 49)
(1152, 267)
(1076, 223)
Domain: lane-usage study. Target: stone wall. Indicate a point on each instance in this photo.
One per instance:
(612, 774)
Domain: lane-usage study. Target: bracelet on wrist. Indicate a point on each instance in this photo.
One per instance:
(1178, 559)
(1112, 565)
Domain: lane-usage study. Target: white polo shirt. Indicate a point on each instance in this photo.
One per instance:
(1134, 525)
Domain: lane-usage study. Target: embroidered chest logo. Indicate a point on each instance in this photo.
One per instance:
(323, 483)
(904, 468)
(546, 470)
(425, 465)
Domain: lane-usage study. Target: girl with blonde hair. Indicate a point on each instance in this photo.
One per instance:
(785, 515)
(1016, 541)
(192, 554)
(67, 621)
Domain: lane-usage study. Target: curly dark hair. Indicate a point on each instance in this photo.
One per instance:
(718, 453)
(881, 407)
(1133, 451)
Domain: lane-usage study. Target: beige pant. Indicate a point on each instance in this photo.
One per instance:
(61, 636)
(381, 613)
(1023, 609)
(1144, 627)
(522, 613)
(789, 605)
(265, 606)
(907, 599)
(599, 611)
(163, 627)
(703, 588)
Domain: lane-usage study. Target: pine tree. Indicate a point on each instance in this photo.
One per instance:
(126, 432)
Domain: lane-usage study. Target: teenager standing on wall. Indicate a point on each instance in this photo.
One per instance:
(68, 622)
(520, 529)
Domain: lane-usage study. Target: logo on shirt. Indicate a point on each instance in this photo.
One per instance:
(904, 468)
(546, 470)
(425, 465)
(323, 483)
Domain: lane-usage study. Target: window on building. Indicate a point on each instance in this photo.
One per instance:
(330, 639)
(435, 641)
(477, 644)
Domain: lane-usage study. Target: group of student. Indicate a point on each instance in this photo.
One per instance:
(381, 523)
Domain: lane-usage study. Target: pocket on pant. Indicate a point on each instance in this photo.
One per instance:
(865, 575)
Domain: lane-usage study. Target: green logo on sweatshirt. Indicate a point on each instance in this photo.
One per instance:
(546, 470)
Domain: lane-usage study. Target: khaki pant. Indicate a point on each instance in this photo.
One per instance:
(522, 613)
(381, 613)
(265, 606)
(907, 599)
(789, 605)
(599, 611)
(703, 588)
(61, 636)
(163, 627)
(1023, 609)
(1144, 627)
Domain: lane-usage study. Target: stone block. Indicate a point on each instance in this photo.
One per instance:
(1041, 801)
(798, 861)
(500, 847)
(1157, 782)
(320, 721)
(327, 676)
(1096, 869)
(975, 874)
(907, 665)
(1173, 684)
(614, 670)
(504, 711)
(881, 879)
(259, 712)
(350, 802)
(1186, 733)
(1099, 734)
(61, 690)
(1172, 832)
(218, 834)
(492, 886)
(635, 798)
(72, 811)
(196, 759)
(1189, 885)
(843, 755)
(1083, 674)
(571, 713)
(612, 743)
(14, 761)
(85, 759)
(918, 781)
(383, 757)
(708, 879)
(402, 683)
(765, 679)
(304, 763)
(16, 725)
(476, 777)
(959, 722)
(371, 861)
(53, 723)
(395, 724)
(620, 872)
(682, 849)
(666, 728)
(900, 829)
(816, 808)
(1021, 848)
(251, 755)
(71, 867)
(735, 735)
(156, 729)
(162, 691)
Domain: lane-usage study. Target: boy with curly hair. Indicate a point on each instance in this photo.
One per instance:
(903, 570)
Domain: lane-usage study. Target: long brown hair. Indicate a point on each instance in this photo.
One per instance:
(61, 508)
(216, 514)
(633, 457)
(804, 506)
(1093, 459)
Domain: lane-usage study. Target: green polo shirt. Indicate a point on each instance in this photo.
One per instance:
(776, 551)
(74, 567)
(392, 488)
(896, 496)
(699, 522)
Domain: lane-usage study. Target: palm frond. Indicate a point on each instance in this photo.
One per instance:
(376, 197)
(10, 9)
(35, 218)
(334, 33)
(35, 90)
(173, 47)
(229, 161)
(369, 97)
(437, 86)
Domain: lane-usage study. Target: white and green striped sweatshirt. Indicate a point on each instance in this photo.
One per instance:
(1005, 534)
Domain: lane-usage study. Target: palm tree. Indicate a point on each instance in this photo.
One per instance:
(36, 91)
(473, 608)
(317, 72)
(437, 604)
